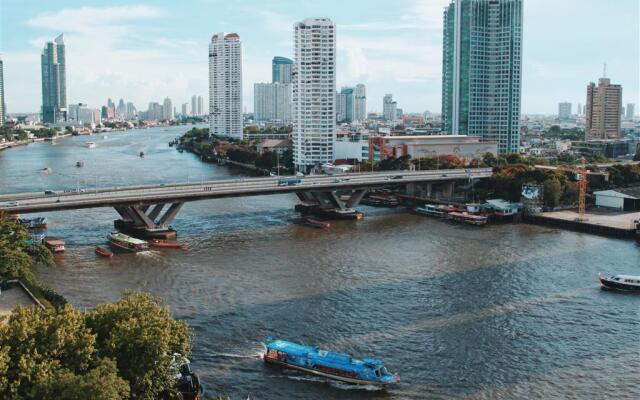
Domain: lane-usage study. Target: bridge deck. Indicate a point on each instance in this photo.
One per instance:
(183, 192)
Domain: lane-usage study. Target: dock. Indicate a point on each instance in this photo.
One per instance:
(597, 221)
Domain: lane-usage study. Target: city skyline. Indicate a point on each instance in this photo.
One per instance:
(369, 50)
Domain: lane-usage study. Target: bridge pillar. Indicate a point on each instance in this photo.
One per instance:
(138, 221)
(331, 204)
(448, 189)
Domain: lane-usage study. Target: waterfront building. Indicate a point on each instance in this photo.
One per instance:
(272, 102)
(602, 119)
(314, 88)
(194, 105)
(389, 108)
(3, 106)
(564, 111)
(167, 109)
(481, 96)
(82, 114)
(281, 68)
(631, 108)
(225, 85)
(464, 146)
(200, 105)
(54, 81)
(130, 111)
(360, 102)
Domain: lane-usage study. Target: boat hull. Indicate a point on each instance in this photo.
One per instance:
(345, 379)
(608, 284)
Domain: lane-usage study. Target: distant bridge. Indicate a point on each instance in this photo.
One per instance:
(142, 206)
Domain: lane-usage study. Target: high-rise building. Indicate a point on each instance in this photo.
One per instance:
(167, 109)
(54, 81)
(314, 88)
(281, 68)
(131, 111)
(564, 111)
(389, 108)
(194, 105)
(225, 85)
(185, 109)
(631, 108)
(121, 110)
(200, 106)
(341, 107)
(579, 111)
(481, 79)
(350, 103)
(360, 102)
(602, 119)
(3, 106)
(272, 102)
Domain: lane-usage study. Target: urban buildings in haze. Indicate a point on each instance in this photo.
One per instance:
(631, 108)
(481, 96)
(360, 102)
(54, 81)
(185, 109)
(564, 111)
(602, 113)
(272, 102)
(167, 109)
(3, 107)
(194, 105)
(389, 108)
(281, 68)
(314, 93)
(345, 105)
(225, 85)
(200, 106)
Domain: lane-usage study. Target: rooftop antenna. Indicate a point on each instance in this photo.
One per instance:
(604, 71)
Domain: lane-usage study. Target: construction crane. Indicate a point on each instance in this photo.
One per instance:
(582, 201)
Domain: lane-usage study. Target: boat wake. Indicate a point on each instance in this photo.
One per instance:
(335, 384)
(256, 356)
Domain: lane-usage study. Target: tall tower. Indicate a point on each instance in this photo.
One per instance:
(225, 85)
(361, 102)
(602, 113)
(167, 109)
(314, 92)
(54, 81)
(281, 68)
(3, 106)
(481, 70)
(194, 104)
(389, 108)
(200, 106)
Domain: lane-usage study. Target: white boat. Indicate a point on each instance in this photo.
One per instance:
(91, 145)
(620, 282)
(128, 243)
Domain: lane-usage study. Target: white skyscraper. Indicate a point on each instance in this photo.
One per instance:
(2, 105)
(360, 102)
(200, 106)
(185, 109)
(272, 102)
(389, 108)
(167, 109)
(194, 105)
(225, 85)
(314, 92)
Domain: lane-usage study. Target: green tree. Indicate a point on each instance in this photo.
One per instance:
(552, 192)
(489, 159)
(140, 334)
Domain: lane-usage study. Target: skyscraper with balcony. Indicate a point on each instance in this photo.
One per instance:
(481, 70)
(225, 85)
(314, 92)
(389, 108)
(360, 102)
(272, 102)
(167, 109)
(54, 81)
(602, 113)
(3, 107)
(281, 68)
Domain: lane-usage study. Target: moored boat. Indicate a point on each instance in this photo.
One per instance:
(104, 252)
(317, 223)
(337, 366)
(35, 223)
(168, 243)
(469, 219)
(54, 244)
(431, 210)
(128, 243)
(620, 282)
(91, 145)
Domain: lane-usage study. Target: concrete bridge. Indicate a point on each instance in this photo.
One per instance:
(148, 210)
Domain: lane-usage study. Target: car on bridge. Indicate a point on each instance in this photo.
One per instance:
(50, 193)
(12, 204)
(289, 181)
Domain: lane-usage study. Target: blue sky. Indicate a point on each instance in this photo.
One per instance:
(144, 51)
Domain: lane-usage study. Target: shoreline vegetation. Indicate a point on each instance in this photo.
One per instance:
(511, 172)
(119, 350)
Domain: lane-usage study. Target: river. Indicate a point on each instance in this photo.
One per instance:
(505, 311)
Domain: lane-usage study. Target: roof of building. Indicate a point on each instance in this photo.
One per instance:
(630, 192)
(268, 143)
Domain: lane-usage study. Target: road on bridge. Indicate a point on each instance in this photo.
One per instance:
(182, 192)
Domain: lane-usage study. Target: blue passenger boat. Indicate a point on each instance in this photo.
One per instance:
(338, 366)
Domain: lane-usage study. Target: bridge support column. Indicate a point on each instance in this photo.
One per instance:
(138, 221)
(448, 189)
(331, 204)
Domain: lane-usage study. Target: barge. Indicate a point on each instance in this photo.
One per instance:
(54, 244)
(336, 366)
(127, 243)
(469, 219)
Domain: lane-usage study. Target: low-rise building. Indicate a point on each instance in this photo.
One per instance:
(274, 145)
(463, 146)
(625, 199)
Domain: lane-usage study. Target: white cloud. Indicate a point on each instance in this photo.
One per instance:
(427, 12)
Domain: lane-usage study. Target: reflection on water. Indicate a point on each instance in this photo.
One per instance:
(506, 311)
